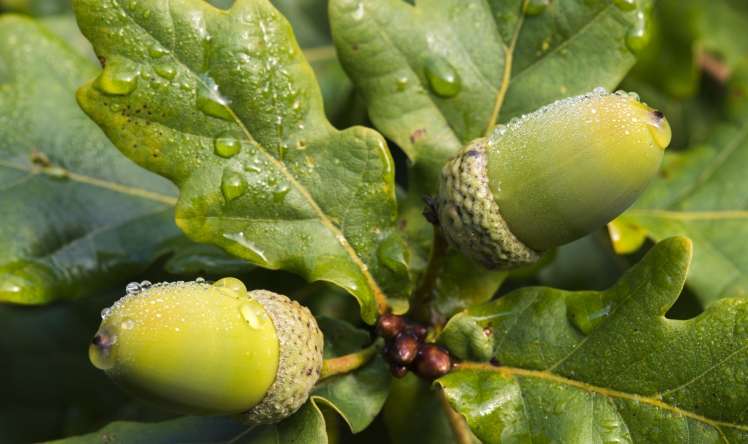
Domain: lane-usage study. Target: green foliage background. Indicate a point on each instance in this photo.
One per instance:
(636, 333)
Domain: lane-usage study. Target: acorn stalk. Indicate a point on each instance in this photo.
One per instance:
(550, 177)
(208, 349)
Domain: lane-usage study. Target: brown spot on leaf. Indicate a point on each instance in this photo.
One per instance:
(417, 135)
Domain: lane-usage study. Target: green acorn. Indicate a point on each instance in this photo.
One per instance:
(208, 349)
(550, 177)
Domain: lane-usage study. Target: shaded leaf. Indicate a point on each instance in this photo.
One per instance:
(700, 194)
(414, 413)
(357, 396)
(77, 214)
(299, 195)
(401, 55)
(37, 342)
(604, 366)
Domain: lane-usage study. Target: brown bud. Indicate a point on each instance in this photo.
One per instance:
(405, 349)
(390, 325)
(418, 330)
(433, 362)
(398, 371)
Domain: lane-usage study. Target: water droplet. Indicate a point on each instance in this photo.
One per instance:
(166, 71)
(536, 7)
(250, 314)
(233, 185)
(127, 324)
(157, 51)
(133, 288)
(101, 350)
(232, 284)
(280, 193)
(358, 14)
(119, 77)
(660, 130)
(145, 284)
(226, 146)
(210, 101)
(105, 313)
(442, 77)
(402, 83)
(200, 280)
(625, 5)
(587, 313)
(600, 91)
(638, 35)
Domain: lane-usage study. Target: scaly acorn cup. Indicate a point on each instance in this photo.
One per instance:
(214, 349)
(550, 177)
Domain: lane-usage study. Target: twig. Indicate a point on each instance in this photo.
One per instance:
(348, 363)
(424, 294)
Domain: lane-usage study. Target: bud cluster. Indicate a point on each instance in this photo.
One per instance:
(406, 348)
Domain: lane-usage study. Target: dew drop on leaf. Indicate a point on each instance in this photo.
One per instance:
(280, 192)
(402, 83)
(625, 5)
(233, 184)
(156, 51)
(443, 79)
(638, 35)
(226, 146)
(119, 77)
(166, 71)
(536, 7)
(210, 101)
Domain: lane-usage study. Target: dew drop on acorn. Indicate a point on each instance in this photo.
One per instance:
(536, 7)
(101, 351)
(133, 288)
(233, 185)
(443, 79)
(226, 146)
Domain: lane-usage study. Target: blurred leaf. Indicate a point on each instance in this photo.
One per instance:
(432, 73)
(604, 366)
(357, 396)
(186, 429)
(35, 7)
(299, 195)
(701, 194)
(48, 388)
(413, 413)
(78, 215)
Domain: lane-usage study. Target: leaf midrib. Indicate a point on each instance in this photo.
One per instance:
(377, 293)
(511, 372)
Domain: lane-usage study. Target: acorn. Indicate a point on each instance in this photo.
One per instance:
(204, 349)
(550, 177)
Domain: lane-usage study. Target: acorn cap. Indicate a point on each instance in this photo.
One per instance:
(550, 177)
(211, 349)
(301, 345)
